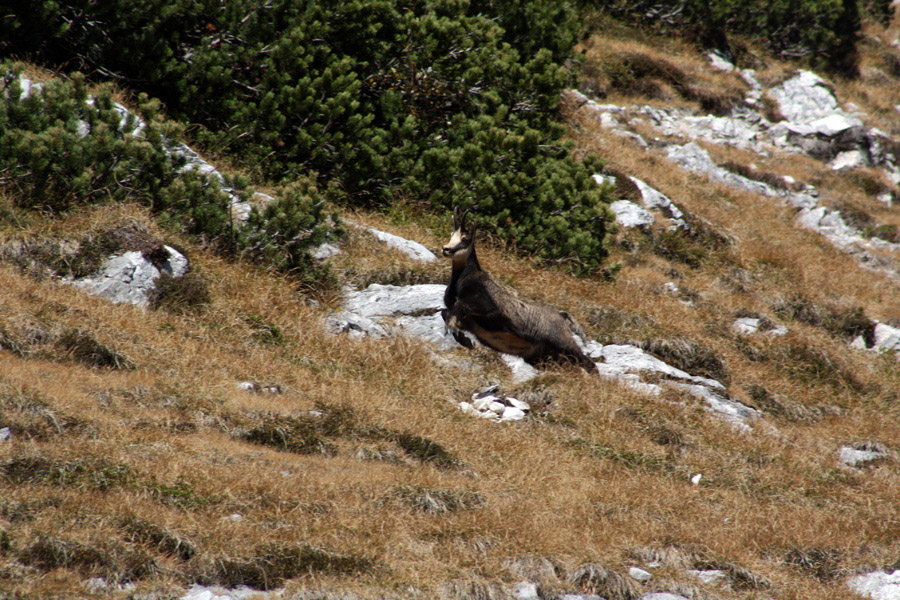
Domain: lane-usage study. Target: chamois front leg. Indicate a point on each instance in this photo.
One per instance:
(452, 323)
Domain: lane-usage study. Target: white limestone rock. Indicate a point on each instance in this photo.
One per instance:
(408, 247)
(324, 251)
(746, 325)
(629, 380)
(516, 403)
(719, 62)
(631, 359)
(849, 159)
(489, 403)
(5, 434)
(130, 277)
(428, 328)
(750, 326)
(654, 199)
(356, 326)
(736, 413)
(709, 576)
(639, 574)
(202, 592)
(521, 370)
(390, 300)
(410, 310)
(806, 99)
(663, 596)
(877, 585)
(861, 454)
(526, 590)
(630, 215)
(886, 337)
(511, 413)
(694, 158)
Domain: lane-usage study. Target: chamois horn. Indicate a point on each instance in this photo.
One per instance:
(462, 223)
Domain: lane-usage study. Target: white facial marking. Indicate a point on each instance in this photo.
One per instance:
(455, 239)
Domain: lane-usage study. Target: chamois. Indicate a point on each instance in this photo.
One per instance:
(496, 316)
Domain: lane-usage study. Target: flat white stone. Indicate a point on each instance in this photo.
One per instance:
(652, 198)
(719, 62)
(521, 370)
(526, 590)
(777, 331)
(389, 300)
(887, 337)
(356, 326)
(629, 380)
(5, 434)
(429, 328)
(736, 413)
(468, 408)
(749, 77)
(850, 159)
(639, 574)
(515, 402)
(709, 576)
(484, 403)
(877, 585)
(833, 124)
(496, 407)
(746, 325)
(511, 413)
(124, 278)
(630, 215)
(662, 596)
(609, 121)
(630, 359)
(857, 458)
(408, 247)
(593, 349)
(323, 251)
(603, 179)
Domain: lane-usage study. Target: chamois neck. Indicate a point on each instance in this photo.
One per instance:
(466, 263)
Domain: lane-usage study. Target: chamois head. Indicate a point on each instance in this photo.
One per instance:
(462, 239)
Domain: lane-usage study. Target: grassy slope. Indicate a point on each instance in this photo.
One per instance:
(116, 464)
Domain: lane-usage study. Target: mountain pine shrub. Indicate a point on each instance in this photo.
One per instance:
(436, 102)
(822, 32)
(60, 148)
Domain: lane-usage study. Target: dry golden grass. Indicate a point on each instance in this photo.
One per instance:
(137, 473)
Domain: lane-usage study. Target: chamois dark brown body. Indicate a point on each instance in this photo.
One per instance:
(496, 316)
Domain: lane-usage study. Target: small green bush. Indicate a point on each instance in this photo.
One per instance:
(281, 233)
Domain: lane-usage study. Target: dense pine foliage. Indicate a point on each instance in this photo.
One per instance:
(428, 103)
(822, 32)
